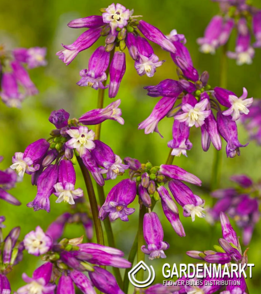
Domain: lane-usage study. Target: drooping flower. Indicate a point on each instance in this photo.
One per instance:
(121, 29)
(240, 204)
(153, 235)
(40, 282)
(14, 73)
(64, 189)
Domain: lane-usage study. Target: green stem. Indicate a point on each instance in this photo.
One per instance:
(131, 258)
(109, 233)
(170, 158)
(140, 254)
(216, 169)
(93, 202)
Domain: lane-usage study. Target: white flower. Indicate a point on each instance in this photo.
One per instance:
(36, 242)
(194, 210)
(116, 168)
(21, 164)
(113, 111)
(117, 16)
(147, 65)
(67, 193)
(194, 115)
(238, 105)
(82, 140)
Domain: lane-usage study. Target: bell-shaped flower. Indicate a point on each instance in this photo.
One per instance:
(153, 235)
(117, 201)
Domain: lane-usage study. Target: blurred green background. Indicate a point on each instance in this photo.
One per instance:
(43, 23)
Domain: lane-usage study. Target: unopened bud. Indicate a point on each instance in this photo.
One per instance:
(145, 180)
(130, 29)
(55, 133)
(49, 158)
(156, 196)
(122, 45)
(109, 47)
(54, 257)
(122, 34)
(87, 266)
(152, 187)
(62, 266)
(14, 255)
(110, 39)
(219, 249)
(76, 241)
(68, 153)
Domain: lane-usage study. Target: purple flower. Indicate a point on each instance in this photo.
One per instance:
(45, 187)
(180, 142)
(227, 231)
(194, 114)
(9, 90)
(117, 71)
(29, 160)
(37, 243)
(244, 53)
(95, 75)
(104, 281)
(40, 282)
(5, 285)
(81, 140)
(236, 105)
(23, 78)
(153, 235)
(34, 57)
(243, 180)
(166, 88)
(183, 60)
(210, 41)
(116, 16)
(59, 118)
(103, 255)
(144, 196)
(99, 115)
(91, 164)
(65, 285)
(64, 189)
(133, 163)
(191, 203)
(228, 130)
(82, 282)
(159, 112)
(86, 22)
(171, 211)
(177, 173)
(84, 41)
(156, 36)
(147, 61)
(118, 199)
(257, 28)
(131, 43)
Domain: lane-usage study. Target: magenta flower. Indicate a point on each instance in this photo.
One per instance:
(153, 235)
(40, 282)
(64, 189)
(34, 57)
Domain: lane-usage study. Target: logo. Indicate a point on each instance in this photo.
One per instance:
(141, 266)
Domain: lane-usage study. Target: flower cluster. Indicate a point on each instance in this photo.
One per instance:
(148, 182)
(251, 121)
(13, 73)
(11, 254)
(229, 251)
(122, 30)
(69, 140)
(8, 179)
(66, 262)
(241, 204)
(198, 101)
(239, 15)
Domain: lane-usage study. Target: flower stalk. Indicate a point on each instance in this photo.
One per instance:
(216, 170)
(93, 202)
(140, 254)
